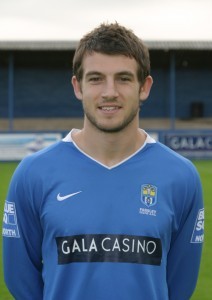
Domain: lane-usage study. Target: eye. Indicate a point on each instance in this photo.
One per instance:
(125, 78)
(95, 79)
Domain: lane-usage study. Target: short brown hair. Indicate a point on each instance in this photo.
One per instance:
(112, 39)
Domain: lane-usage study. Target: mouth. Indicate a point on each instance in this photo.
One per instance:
(109, 109)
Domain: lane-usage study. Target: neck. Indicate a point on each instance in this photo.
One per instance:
(109, 148)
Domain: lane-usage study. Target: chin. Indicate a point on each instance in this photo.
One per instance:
(110, 129)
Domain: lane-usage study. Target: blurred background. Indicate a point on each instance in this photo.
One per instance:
(38, 39)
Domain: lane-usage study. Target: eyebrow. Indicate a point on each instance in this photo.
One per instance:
(92, 73)
(128, 73)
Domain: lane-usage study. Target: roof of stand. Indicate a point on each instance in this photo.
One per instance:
(58, 25)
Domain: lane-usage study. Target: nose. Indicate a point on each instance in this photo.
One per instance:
(110, 90)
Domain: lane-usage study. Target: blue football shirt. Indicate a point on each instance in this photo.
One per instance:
(75, 229)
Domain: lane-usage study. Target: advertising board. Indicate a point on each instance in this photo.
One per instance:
(191, 145)
(15, 146)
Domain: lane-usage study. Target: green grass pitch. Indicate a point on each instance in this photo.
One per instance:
(204, 286)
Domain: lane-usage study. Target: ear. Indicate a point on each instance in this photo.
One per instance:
(145, 88)
(77, 87)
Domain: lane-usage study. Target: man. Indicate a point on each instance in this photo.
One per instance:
(108, 212)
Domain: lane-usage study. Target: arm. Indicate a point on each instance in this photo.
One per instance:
(22, 238)
(186, 246)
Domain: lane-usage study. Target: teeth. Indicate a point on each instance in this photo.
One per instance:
(109, 108)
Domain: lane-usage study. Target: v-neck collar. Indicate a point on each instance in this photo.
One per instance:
(68, 139)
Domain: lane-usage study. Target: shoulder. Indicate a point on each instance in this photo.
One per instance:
(173, 163)
(38, 161)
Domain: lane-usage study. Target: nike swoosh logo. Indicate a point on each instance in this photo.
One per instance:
(61, 198)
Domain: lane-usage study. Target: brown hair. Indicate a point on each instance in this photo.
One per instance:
(112, 39)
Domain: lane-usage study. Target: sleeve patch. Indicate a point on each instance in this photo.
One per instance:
(198, 232)
(10, 224)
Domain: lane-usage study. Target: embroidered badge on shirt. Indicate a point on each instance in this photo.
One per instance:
(148, 194)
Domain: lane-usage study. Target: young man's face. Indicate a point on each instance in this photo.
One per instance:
(110, 91)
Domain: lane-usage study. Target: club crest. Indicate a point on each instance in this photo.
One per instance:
(148, 194)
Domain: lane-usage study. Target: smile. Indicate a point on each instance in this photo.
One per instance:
(109, 108)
